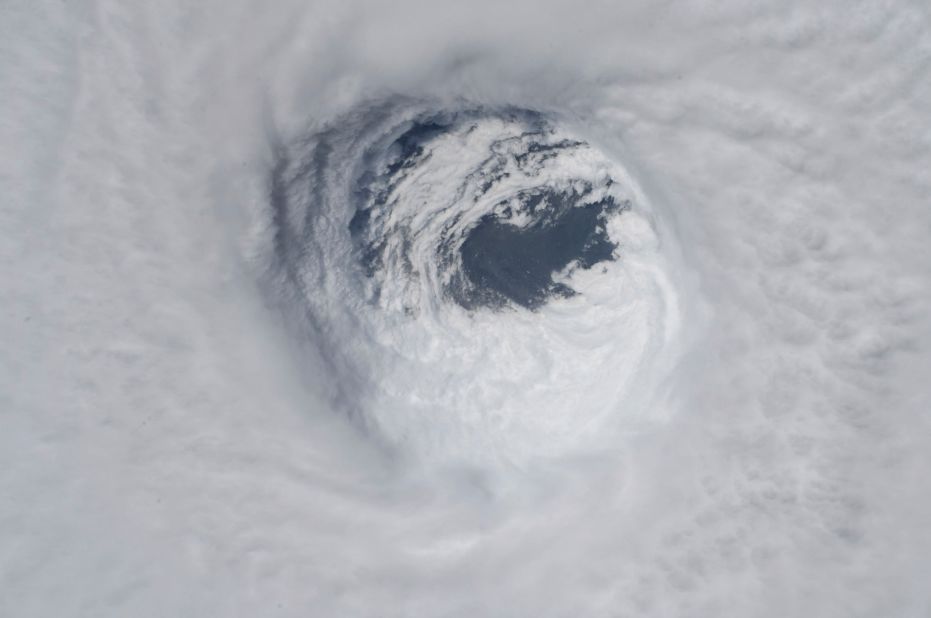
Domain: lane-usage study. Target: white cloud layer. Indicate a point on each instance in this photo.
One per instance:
(172, 439)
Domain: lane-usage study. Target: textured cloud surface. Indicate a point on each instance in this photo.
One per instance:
(226, 392)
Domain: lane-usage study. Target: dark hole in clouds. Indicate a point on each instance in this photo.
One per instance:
(504, 262)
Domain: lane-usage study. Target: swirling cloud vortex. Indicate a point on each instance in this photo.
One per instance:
(487, 284)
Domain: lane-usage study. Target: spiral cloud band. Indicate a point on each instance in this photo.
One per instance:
(354, 309)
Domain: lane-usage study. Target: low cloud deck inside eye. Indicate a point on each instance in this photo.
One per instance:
(505, 263)
(500, 261)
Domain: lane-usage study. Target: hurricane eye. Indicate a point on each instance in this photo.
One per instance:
(504, 262)
(475, 242)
